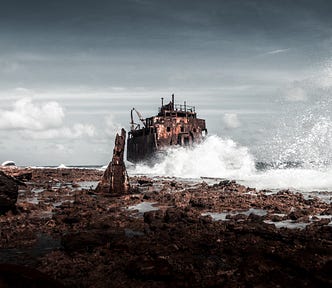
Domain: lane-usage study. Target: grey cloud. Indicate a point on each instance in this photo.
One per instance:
(277, 51)
(100, 58)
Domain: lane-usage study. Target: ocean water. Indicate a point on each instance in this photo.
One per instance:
(295, 154)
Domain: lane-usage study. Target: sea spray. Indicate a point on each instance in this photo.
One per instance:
(224, 158)
(309, 142)
(214, 157)
(296, 154)
(300, 179)
(303, 133)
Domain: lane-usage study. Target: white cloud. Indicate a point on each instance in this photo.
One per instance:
(111, 126)
(10, 67)
(77, 131)
(23, 91)
(296, 94)
(42, 121)
(231, 120)
(324, 78)
(277, 51)
(32, 116)
(63, 149)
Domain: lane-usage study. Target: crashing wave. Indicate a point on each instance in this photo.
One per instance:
(8, 163)
(62, 166)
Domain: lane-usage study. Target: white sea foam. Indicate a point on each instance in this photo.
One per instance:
(295, 178)
(62, 166)
(223, 158)
(8, 163)
(215, 157)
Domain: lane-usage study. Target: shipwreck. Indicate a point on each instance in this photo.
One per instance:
(174, 125)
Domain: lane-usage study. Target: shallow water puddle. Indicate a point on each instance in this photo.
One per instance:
(37, 190)
(133, 233)
(216, 216)
(33, 200)
(43, 245)
(144, 207)
(290, 224)
(87, 185)
(223, 215)
(322, 195)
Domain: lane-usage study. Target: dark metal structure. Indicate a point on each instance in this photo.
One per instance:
(174, 125)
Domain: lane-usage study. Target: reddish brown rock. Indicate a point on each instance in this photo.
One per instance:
(107, 243)
(115, 179)
(8, 192)
(19, 276)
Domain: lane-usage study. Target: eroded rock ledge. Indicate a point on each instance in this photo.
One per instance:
(168, 233)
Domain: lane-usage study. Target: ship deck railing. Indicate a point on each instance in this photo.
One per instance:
(181, 108)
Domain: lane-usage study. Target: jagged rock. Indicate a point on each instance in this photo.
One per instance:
(145, 181)
(20, 276)
(105, 244)
(115, 179)
(8, 192)
(294, 215)
(24, 176)
(154, 269)
(87, 241)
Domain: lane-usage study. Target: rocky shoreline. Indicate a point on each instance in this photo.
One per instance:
(164, 233)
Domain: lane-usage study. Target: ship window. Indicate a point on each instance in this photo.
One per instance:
(182, 129)
(168, 129)
(194, 130)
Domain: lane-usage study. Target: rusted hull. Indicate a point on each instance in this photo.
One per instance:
(140, 148)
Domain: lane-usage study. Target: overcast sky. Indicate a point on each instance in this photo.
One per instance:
(70, 71)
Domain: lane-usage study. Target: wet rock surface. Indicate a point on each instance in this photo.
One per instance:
(167, 233)
(8, 192)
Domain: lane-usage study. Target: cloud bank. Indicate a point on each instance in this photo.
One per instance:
(231, 120)
(277, 51)
(77, 131)
(296, 94)
(42, 121)
(32, 116)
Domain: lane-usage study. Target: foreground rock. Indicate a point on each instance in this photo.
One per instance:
(19, 276)
(169, 233)
(8, 192)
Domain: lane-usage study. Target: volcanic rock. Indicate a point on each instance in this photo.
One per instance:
(86, 241)
(8, 192)
(19, 276)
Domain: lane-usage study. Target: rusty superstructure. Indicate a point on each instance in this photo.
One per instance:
(174, 125)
